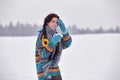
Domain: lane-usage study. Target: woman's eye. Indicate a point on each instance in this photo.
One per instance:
(53, 21)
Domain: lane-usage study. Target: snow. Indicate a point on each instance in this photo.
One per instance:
(90, 57)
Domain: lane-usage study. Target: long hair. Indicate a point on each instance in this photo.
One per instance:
(47, 19)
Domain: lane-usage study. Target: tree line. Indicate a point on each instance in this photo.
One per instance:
(75, 30)
(32, 30)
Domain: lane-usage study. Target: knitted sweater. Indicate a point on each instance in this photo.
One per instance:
(42, 53)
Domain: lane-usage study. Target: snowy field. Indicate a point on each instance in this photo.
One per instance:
(90, 57)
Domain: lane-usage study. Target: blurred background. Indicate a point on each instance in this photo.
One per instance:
(93, 24)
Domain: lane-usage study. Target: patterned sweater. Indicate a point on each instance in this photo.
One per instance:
(42, 53)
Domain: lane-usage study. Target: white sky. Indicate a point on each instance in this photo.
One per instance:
(83, 13)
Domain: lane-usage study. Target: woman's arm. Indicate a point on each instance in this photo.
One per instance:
(41, 55)
(66, 40)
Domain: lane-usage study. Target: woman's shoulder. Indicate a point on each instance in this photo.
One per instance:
(40, 34)
(40, 31)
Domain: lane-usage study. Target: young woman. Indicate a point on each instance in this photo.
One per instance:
(49, 46)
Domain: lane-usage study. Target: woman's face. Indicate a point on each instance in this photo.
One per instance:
(53, 24)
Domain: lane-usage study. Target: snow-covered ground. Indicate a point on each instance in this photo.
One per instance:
(90, 57)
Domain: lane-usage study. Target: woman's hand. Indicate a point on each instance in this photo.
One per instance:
(55, 39)
(62, 26)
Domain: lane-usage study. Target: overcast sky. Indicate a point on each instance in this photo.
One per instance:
(83, 13)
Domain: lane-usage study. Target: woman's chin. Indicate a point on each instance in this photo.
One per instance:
(53, 28)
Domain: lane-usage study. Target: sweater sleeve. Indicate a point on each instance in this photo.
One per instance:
(66, 40)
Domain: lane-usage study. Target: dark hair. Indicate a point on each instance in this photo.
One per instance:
(47, 19)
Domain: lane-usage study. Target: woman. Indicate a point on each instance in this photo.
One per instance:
(49, 46)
